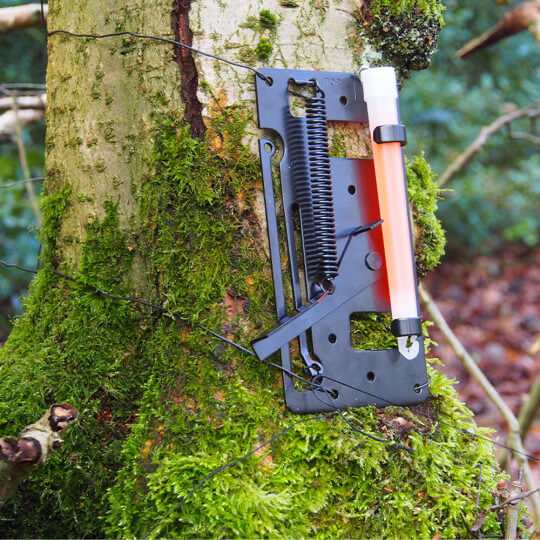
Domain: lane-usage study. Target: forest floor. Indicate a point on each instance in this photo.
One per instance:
(493, 306)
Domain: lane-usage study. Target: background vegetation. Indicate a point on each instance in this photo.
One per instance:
(496, 197)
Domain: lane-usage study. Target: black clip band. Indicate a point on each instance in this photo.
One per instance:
(406, 327)
(390, 133)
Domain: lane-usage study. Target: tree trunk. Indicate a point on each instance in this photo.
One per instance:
(154, 191)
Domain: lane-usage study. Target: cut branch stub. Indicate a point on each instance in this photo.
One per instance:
(35, 444)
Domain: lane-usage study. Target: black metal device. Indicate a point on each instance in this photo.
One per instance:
(334, 249)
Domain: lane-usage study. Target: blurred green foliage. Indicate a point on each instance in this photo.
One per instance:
(23, 60)
(495, 198)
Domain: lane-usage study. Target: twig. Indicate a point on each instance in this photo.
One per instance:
(529, 409)
(482, 138)
(21, 182)
(24, 164)
(513, 500)
(512, 514)
(479, 486)
(525, 136)
(478, 375)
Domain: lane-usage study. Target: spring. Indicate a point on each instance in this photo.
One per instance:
(320, 246)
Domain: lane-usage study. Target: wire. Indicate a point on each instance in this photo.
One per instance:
(268, 80)
(20, 182)
(231, 464)
(277, 366)
(22, 268)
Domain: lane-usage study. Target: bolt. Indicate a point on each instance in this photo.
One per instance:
(373, 260)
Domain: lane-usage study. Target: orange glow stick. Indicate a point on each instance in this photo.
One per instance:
(381, 97)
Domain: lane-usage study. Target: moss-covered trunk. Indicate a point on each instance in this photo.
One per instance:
(154, 191)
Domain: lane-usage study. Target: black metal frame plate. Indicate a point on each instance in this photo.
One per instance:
(324, 330)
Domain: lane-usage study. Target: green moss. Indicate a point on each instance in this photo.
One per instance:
(264, 48)
(76, 346)
(163, 403)
(206, 404)
(267, 19)
(405, 32)
(423, 196)
(338, 148)
(429, 8)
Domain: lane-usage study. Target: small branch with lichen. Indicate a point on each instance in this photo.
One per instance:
(25, 16)
(35, 444)
(512, 511)
(532, 110)
(514, 429)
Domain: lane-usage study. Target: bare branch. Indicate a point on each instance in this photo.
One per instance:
(8, 120)
(525, 16)
(529, 409)
(25, 16)
(514, 437)
(24, 102)
(483, 136)
(35, 444)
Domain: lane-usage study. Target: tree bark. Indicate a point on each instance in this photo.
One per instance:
(153, 191)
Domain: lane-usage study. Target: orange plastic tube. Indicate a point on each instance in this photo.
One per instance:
(380, 94)
(393, 207)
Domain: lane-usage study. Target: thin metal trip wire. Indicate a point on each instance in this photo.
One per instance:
(244, 349)
(268, 80)
(284, 370)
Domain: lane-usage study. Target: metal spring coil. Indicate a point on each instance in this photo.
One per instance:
(320, 245)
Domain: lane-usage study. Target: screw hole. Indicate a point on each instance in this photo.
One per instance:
(351, 189)
(370, 376)
(417, 388)
(268, 147)
(343, 100)
(332, 338)
(268, 80)
(316, 367)
(334, 394)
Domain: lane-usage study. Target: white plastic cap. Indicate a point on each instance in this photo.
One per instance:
(379, 82)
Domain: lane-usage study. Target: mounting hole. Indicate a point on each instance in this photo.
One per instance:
(351, 189)
(332, 338)
(334, 394)
(315, 367)
(268, 80)
(417, 388)
(268, 147)
(370, 376)
(343, 100)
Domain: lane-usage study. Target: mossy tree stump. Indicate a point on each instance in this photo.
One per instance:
(154, 191)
